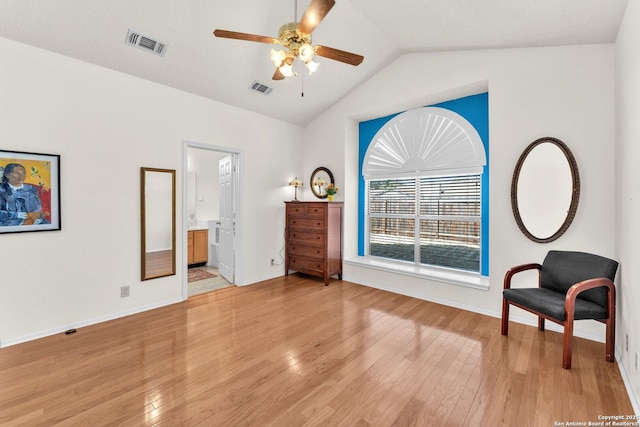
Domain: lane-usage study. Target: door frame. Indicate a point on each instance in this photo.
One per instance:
(237, 193)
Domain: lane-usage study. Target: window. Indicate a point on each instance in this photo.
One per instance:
(429, 220)
(423, 191)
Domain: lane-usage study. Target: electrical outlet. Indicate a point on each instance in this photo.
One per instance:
(273, 262)
(626, 341)
(124, 291)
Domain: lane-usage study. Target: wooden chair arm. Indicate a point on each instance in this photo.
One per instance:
(572, 293)
(517, 269)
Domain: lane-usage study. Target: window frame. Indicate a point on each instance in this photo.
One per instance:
(473, 111)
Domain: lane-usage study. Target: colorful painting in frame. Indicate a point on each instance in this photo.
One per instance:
(29, 192)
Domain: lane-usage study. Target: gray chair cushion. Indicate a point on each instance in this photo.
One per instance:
(551, 303)
(563, 269)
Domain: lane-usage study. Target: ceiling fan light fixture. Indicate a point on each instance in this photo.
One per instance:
(306, 52)
(278, 57)
(287, 70)
(295, 39)
(312, 66)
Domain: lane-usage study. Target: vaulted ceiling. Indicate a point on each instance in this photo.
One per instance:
(223, 70)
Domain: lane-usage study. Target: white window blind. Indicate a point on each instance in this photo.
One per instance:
(426, 220)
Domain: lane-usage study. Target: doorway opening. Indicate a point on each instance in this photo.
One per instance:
(211, 182)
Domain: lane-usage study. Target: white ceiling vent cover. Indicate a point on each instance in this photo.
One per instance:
(261, 88)
(140, 41)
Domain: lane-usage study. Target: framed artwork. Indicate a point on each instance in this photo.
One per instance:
(29, 192)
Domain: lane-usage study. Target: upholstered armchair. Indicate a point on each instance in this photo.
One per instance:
(571, 286)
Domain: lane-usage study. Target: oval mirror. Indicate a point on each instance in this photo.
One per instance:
(545, 190)
(320, 178)
(158, 218)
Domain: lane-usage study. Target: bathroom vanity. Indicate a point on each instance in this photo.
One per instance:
(198, 244)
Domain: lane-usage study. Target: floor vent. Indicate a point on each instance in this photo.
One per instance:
(261, 88)
(136, 39)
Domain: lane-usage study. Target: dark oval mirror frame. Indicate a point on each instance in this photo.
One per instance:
(318, 173)
(575, 194)
(165, 265)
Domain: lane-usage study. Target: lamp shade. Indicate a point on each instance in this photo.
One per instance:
(286, 70)
(278, 57)
(306, 52)
(312, 66)
(295, 182)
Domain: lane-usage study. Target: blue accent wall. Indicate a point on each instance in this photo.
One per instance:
(475, 109)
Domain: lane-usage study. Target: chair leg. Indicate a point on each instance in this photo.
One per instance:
(505, 317)
(567, 342)
(611, 327)
(611, 339)
(540, 323)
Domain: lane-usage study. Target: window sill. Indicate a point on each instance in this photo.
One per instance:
(445, 275)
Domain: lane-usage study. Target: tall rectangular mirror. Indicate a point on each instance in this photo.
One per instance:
(158, 220)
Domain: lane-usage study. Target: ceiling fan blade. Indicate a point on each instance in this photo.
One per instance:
(277, 75)
(244, 36)
(339, 55)
(314, 14)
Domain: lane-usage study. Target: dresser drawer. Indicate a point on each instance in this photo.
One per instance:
(315, 210)
(314, 252)
(306, 265)
(307, 223)
(305, 237)
(306, 210)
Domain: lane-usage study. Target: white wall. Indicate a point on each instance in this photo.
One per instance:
(106, 125)
(564, 92)
(627, 199)
(204, 164)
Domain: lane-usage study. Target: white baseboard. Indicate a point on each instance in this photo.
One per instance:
(261, 279)
(633, 397)
(61, 329)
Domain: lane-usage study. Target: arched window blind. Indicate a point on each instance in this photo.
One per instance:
(429, 141)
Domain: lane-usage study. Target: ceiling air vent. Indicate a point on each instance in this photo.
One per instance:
(261, 88)
(136, 39)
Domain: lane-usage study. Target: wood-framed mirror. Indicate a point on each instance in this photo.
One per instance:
(545, 190)
(158, 222)
(320, 179)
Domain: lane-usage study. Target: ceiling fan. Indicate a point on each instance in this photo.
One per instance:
(295, 37)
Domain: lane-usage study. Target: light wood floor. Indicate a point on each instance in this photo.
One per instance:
(292, 352)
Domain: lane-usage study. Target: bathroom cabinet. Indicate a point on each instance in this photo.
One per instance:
(198, 244)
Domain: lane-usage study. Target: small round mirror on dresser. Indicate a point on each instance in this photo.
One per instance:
(320, 179)
(545, 190)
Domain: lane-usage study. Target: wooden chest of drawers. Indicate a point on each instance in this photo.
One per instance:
(313, 237)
